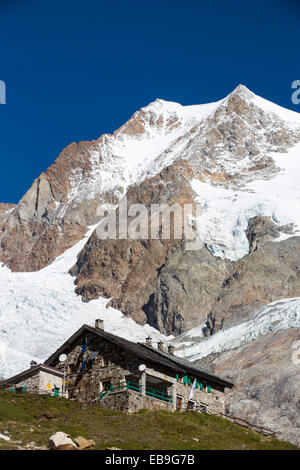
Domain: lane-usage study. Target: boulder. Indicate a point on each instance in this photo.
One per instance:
(84, 443)
(61, 441)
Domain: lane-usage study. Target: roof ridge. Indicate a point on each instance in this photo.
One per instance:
(179, 360)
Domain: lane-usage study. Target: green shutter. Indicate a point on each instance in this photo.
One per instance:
(177, 377)
(189, 380)
(197, 384)
(201, 386)
(185, 379)
(208, 389)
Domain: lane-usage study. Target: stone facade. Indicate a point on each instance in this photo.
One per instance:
(131, 401)
(38, 379)
(100, 372)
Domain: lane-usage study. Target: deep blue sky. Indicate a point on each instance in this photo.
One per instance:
(76, 69)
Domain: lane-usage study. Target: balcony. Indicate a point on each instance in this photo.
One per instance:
(149, 391)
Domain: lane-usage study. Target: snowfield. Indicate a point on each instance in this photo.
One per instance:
(40, 310)
(280, 315)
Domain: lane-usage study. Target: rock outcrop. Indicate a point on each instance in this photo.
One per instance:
(127, 271)
(265, 275)
(262, 229)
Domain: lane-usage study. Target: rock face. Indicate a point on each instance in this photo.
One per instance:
(265, 275)
(5, 210)
(185, 290)
(153, 281)
(266, 378)
(262, 229)
(47, 220)
(126, 270)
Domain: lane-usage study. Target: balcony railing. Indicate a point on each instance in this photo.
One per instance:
(138, 388)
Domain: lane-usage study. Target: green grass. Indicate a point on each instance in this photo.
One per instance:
(30, 418)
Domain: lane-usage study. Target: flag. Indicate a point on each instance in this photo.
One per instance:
(192, 389)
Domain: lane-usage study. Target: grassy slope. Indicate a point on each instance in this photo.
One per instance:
(34, 418)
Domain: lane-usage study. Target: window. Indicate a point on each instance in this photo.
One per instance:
(105, 385)
(178, 402)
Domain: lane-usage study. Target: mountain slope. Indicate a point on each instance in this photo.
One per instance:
(266, 378)
(238, 158)
(55, 212)
(239, 162)
(34, 418)
(228, 142)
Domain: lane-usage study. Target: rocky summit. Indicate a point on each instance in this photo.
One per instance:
(238, 159)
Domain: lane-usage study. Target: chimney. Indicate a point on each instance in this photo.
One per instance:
(160, 345)
(171, 349)
(33, 364)
(149, 341)
(99, 324)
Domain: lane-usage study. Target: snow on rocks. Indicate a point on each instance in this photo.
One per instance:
(226, 212)
(280, 315)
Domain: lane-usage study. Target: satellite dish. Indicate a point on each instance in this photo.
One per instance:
(62, 357)
(142, 367)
